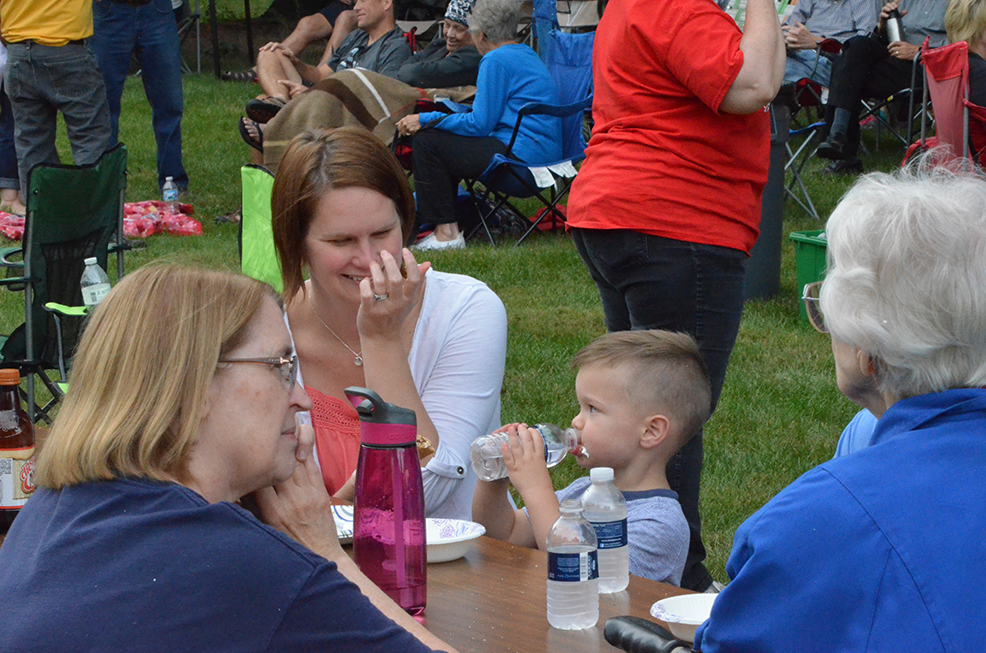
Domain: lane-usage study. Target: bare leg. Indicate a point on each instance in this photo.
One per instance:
(310, 29)
(273, 67)
(11, 201)
(447, 231)
(345, 23)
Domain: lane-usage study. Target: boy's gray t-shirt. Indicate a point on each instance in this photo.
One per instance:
(657, 532)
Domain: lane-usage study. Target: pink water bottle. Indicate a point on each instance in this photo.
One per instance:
(389, 511)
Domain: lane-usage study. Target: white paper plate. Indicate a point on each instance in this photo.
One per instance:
(448, 539)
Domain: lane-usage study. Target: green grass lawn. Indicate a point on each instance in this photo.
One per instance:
(780, 412)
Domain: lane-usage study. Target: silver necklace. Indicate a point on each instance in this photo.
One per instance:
(358, 361)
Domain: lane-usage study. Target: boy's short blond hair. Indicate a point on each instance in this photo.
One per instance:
(665, 374)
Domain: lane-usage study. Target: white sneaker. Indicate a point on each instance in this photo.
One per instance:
(432, 244)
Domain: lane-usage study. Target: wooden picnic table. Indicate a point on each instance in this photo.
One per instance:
(493, 600)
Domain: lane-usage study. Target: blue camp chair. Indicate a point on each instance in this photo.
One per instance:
(568, 58)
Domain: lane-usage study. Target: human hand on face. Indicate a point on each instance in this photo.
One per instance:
(387, 297)
(524, 459)
(300, 506)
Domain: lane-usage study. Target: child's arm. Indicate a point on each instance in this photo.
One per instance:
(529, 474)
(491, 507)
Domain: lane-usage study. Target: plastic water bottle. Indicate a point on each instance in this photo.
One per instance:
(486, 452)
(95, 283)
(170, 195)
(605, 508)
(573, 572)
(389, 508)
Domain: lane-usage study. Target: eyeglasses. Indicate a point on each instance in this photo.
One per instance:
(288, 367)
(813, 307)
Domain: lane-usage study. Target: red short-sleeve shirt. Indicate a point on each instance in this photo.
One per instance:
(662, 159)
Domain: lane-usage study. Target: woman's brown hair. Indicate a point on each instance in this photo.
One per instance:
(139, 379)
(316, 162)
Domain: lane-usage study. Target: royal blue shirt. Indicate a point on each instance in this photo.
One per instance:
(880, 550)
(510, 76)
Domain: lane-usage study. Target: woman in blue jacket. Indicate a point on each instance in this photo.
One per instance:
(450, 148)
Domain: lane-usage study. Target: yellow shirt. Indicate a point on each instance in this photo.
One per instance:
(48, 22)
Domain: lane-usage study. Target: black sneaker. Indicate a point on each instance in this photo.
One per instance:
(850, 166)
(833, 148)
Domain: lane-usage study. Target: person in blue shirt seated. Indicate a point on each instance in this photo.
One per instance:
(877, 550)
(449, 148)
(183, 403)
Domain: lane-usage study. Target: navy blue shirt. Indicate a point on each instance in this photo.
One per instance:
(135, 565)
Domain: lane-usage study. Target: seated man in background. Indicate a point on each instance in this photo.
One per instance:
(378, 45)
(870, 66)
(452, 61)
(333, 22)
(812, 22)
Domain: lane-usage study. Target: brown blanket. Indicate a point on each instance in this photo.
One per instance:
(349, 98)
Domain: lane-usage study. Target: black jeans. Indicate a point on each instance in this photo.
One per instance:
(648, 282)
(441, 160)
(865, 69)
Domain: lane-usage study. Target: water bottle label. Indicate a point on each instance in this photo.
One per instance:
(171, 195)
(573, 567)
(92, 295)
(611, 534)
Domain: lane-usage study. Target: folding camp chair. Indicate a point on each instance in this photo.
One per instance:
(881, 109)
(568, 58)
(946, 80)
(258, 258)
(73, 212)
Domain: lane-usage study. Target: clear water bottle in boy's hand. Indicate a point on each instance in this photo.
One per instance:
(605, 508)
(169, 193)
(573, 573)
(95, 283)
(486, 452)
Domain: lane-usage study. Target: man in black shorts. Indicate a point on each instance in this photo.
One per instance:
(333, 22)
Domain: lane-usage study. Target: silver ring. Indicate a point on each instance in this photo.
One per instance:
(380, 298)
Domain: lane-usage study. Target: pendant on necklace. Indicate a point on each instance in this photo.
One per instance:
(358, 361)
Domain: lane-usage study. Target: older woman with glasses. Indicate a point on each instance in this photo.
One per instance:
(877, 550)
(183, 401)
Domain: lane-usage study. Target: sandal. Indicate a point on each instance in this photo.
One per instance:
(263, 109)
(248, 75)
(256, 143)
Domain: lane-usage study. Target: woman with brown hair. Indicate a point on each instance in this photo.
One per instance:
(183, 401)
(371, 316)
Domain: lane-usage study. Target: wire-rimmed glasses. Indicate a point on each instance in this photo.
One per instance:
(288, 367)
(813, 307)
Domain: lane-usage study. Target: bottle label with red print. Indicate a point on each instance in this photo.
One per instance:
(16, 477)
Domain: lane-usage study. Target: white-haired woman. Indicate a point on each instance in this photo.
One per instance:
(183, 401)
(878, 550)
(460, 146)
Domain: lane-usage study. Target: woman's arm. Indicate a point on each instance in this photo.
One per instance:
(763, 61)
(300, 507)
(462, 391)
(493, 89)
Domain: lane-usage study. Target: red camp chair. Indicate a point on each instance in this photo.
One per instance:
(946, 73)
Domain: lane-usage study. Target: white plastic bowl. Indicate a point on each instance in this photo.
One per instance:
(684, 614)
(449, 539)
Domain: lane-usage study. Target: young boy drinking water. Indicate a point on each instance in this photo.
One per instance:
(642, 395)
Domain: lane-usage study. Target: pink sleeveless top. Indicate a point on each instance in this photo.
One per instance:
(336, 427)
